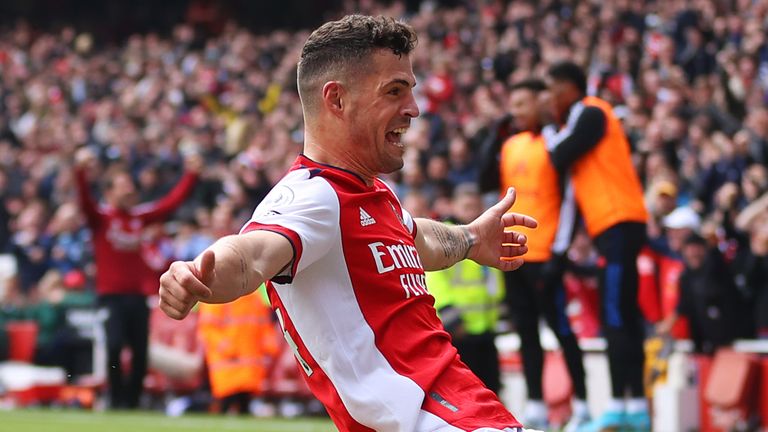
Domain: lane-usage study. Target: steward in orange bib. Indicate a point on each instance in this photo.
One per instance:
(536, 290)
(240, 343)
(591, 146)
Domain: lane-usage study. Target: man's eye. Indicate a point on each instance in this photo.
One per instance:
(394, 91)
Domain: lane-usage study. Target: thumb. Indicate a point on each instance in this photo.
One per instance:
(505, 204)
(207, 266)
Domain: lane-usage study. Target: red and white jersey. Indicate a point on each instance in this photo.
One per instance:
(355, 308)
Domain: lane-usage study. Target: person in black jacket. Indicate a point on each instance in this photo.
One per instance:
(708, 297)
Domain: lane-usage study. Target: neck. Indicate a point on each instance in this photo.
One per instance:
(329, 151)
(534, 128)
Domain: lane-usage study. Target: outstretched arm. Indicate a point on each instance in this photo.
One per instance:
(160, 210)
(84, 161)
(749, 214)
(232, 267)
(487, 240)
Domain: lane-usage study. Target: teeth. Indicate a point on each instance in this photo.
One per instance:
(400, 130)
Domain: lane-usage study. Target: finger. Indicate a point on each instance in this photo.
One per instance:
(173, 312)
(207, 265)
(505, 204)
(171, 306)
(514, 238)
(509, 251)
(517, 219)
(183, 274)
(167, 297)
(510, 264)
(170, 285)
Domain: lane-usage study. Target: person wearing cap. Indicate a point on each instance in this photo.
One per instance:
(661, 199)
(681, 223)
(660, 266)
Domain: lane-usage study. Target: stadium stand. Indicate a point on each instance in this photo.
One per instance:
(689, 78)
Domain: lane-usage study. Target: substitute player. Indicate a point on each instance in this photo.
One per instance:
(537, 290)
(592, 148)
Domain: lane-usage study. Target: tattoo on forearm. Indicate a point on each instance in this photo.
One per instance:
(455, 245)
(244, 272)
(243, 268)
(470, 239)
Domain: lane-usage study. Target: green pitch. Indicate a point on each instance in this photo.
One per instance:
(86, 421)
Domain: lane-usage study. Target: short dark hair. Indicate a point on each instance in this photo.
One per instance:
(569, 72)
(337, 44)
(113, 171)
(533, 84)
(695, 239)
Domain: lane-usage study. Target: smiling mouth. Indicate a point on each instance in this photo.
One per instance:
(395, 135)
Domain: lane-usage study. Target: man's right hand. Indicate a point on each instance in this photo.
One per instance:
(664, 327)
(185, 283)
(194, 163)
(85, 158)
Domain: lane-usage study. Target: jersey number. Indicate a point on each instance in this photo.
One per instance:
(291, 343)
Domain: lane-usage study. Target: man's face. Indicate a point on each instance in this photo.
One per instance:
(562, 96)
(122, 193)
(676, 238)
(524, 107)
(379, 111)
(665, 203)
(693, 255)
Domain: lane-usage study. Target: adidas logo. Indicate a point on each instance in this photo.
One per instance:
(365, 218)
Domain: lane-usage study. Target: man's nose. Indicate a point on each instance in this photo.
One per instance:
(411, 109)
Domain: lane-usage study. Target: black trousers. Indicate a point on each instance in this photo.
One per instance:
(621, 318)
(127, 325)
(529, 298)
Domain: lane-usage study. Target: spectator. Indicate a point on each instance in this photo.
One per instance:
(70, 240)
(752, 265)
(708, 297)
(190, 241)
(30, 246)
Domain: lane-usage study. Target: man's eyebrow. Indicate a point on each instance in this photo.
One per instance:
(401, 82)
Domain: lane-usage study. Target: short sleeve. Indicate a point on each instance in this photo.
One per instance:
(409, 222)
(305, 211)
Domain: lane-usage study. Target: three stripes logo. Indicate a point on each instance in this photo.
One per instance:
(365, 218)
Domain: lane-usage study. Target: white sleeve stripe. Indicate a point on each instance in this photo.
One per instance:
(567, 222)
(573, 116)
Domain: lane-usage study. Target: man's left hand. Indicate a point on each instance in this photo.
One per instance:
(495, 244)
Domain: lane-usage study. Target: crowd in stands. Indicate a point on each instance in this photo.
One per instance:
(689, 79)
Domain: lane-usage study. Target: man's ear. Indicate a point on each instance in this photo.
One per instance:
(333, 97)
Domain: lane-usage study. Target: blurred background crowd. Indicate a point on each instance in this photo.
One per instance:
(689, 79)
